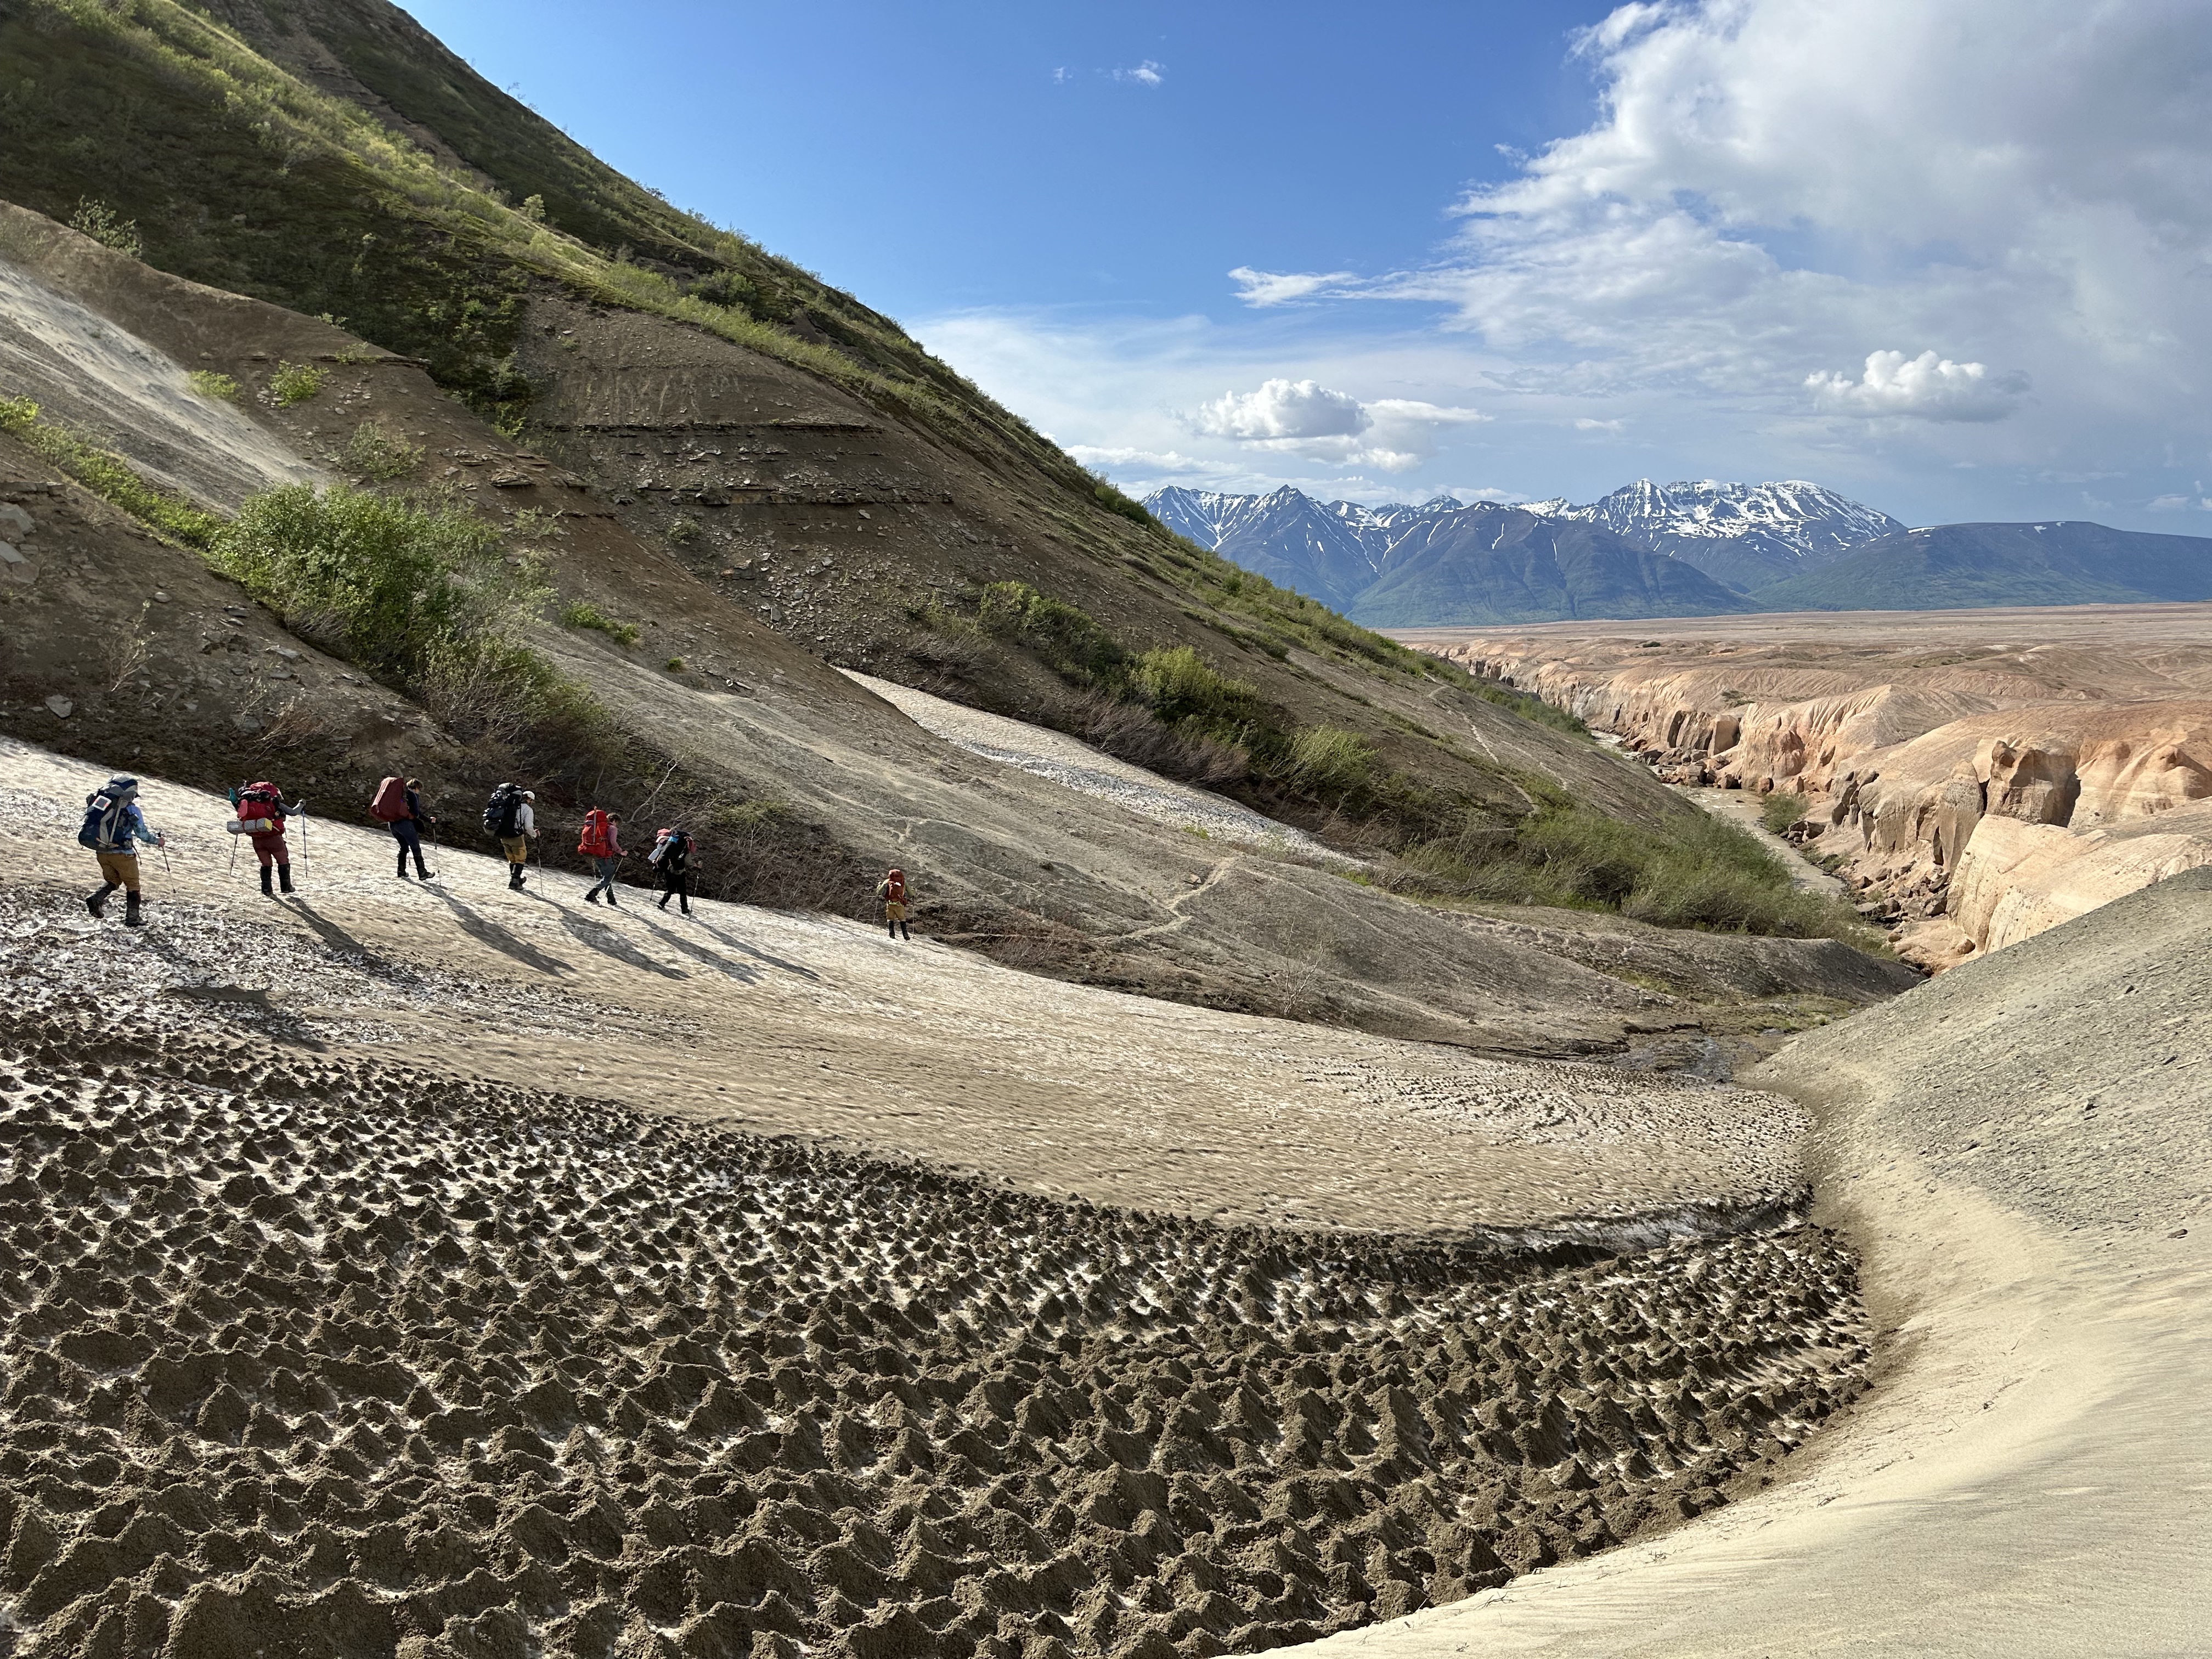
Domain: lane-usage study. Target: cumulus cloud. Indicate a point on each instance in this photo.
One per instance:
(1304, 417)
(1927, 387)
(1282, 409)
(1147, 74)
(2181, 503)
(1271, 288)
(1769, 184)
(1586, 423)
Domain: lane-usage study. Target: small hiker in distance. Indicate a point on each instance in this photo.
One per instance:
(509, 815)
(398, 803)
(671, 856)
(601, 843)
(261, 817)
(114, 826)
(891, 889)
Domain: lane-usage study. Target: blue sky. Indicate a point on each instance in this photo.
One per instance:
(1506, 250)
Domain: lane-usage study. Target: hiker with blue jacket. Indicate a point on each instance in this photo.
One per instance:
(114, 828)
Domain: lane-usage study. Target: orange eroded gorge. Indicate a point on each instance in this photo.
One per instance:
(1976, 775)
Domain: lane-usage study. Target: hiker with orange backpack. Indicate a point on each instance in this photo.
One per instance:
(261, 816)
(602, 843)
(398, 803)
(891, 889)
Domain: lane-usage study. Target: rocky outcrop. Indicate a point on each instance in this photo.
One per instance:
(1973, 794)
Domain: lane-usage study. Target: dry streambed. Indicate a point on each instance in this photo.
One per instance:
(307, 1356)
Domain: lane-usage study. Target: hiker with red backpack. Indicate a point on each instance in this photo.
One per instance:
(398, 803)
(671, 856)
(891, 889)
(261, 816)
(602, 843)
(114, 825)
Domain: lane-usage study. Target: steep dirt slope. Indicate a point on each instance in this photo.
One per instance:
(444, 1271)
(827, 783)
(2020, 1149)
(1981, 773)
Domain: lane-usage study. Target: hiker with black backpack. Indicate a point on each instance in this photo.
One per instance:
(261, 817)
(398, 803)
(114, 826)
(891, 889)
(509, 815)
(601, 843)
(671, 856)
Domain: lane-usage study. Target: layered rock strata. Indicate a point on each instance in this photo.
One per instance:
(1973, 789)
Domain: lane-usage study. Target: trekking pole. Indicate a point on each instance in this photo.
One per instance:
(303, 840)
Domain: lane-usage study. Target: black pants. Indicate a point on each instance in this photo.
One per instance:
(409, 837)
(678, 881)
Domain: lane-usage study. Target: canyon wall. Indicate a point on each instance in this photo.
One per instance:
(1976, 777)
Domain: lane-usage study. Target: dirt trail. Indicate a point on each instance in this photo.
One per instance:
(2021, 1151)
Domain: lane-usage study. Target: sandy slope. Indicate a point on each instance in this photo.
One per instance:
(2021, 1151)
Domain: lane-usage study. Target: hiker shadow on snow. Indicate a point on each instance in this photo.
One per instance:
(715, 959)
(608, 942)
(335, 939)
(799, 968)
(488, 932)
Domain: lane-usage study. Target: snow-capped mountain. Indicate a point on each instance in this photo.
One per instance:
(1744, 535)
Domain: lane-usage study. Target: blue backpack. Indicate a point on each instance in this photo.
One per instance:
(103, 811)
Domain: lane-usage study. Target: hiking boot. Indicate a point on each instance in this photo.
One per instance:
(514, 877)
(687, 907)
(610, 898)
(592, 897)
(284, 876)
(402, 872)
(265, 878)
(664, 903)
(130, 916)
(97, 903)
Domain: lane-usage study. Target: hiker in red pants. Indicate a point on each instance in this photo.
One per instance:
(261, 816)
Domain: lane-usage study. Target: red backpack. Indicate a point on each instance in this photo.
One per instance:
(599, 841)
(259, 803)
(391, 802)
(895, 887)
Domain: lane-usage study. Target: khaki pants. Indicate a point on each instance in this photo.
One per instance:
(119, 870)
(517, 848)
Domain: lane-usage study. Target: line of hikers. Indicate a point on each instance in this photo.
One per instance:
(115, 827)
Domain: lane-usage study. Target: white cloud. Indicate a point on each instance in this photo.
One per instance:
(1928, 388)
(1304, 417)
(1147, 74)
(1282, 409)
(2181, 503)
(1585, 423)
(1268, 288)
(1140, 460)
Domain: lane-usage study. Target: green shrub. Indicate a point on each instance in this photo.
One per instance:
(388, 579)
(683, 532)
(1062, 635)
(294, 383)
(172, 517)
(376, 452)
(1327, 759)
(1778, 810)
(1179, 686)
(101, 221)
(1115, 502)
(219, 388)
(676, 665)
(579, 614)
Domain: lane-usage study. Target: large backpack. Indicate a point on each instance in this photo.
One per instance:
(500, 811)
(673, 855)
(260, 808)
(599, 837)
(895, 887)
(103, 814)
(390, 805)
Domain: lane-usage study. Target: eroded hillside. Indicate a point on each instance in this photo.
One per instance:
(1978, 775)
